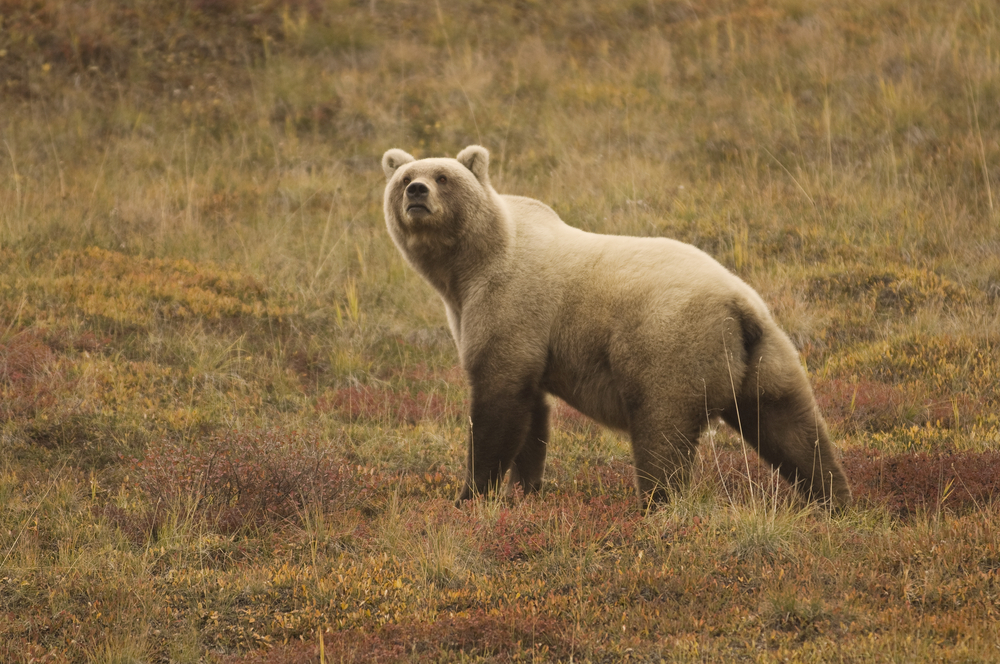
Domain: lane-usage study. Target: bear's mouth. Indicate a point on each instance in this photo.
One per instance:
(418, 206)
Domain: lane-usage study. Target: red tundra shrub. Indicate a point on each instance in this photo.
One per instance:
(27, 375)
(475, 634)
(869, 405)
(243, 476)
(32, 373)
(920, 481)
(904, 483)
(369, 402)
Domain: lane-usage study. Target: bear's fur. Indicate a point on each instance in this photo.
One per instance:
(647, 335)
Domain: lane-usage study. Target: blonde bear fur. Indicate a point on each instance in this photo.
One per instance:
(647, 335)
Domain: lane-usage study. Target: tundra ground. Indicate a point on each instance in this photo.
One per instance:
(231, 423)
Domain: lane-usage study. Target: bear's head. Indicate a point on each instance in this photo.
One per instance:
(435, 202)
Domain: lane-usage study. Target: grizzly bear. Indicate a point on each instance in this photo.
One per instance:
(650, 336)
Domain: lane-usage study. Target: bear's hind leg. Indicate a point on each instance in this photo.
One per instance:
(789, 433)
(663, 449)
(529, 464)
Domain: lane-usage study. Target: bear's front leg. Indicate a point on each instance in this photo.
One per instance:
(501, 419)
(529, 464)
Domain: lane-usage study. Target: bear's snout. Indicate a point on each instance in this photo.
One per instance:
(417, 190)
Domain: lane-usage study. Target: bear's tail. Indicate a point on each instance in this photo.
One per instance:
(750, 329)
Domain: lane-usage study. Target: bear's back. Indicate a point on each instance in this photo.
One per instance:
(570, 257)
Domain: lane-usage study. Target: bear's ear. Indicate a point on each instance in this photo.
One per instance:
(477, 159)
(393, 159)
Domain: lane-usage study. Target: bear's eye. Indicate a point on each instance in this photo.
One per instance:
(442, 180)
(406, 181)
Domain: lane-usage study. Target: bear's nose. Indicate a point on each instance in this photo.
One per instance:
(417, 190)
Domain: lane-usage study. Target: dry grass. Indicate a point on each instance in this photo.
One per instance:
(231, 425)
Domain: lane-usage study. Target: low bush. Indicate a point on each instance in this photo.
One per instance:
(239, 479)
